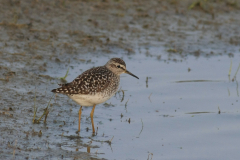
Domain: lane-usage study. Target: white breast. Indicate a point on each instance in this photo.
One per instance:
(89, 100)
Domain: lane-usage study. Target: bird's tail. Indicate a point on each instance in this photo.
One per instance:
(54, 90)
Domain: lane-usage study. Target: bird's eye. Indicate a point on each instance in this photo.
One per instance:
(118, 66)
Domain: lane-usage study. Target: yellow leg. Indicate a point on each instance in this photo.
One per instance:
(79, 118)
(91, 115)
(88, 149)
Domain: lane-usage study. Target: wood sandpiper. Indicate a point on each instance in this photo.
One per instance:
(95, 85)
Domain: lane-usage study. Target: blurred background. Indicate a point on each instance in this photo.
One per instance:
(184, 106)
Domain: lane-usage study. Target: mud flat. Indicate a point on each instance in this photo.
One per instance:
(41, 40)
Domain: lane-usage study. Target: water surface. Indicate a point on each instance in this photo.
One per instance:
(174, 115)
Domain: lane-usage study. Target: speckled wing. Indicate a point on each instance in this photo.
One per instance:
(91, 81)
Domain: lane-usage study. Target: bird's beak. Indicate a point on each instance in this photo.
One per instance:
(131, 74)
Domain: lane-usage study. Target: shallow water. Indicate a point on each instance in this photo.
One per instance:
(175, 115)
(182, 57)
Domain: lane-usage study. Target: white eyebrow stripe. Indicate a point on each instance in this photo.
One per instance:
(122, 68)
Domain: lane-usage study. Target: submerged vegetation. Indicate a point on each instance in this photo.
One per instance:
(45, 113)
(230, 70)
